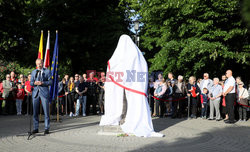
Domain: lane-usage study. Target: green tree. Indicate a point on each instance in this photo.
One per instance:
(193, 36)
(88, 31)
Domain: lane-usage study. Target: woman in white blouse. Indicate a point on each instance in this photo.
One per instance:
(243, 94)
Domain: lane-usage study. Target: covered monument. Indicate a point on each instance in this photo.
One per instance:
(127, 80)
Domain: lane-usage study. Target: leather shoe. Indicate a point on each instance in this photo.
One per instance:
(35, 131)
(46, 132)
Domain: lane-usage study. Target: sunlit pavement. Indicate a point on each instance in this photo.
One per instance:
(81, 134)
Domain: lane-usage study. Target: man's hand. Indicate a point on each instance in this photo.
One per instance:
(224, 94)
(188, 94)
(213, 98)
(202, 105)
(66, 93)
(38, 83)
(11, 89)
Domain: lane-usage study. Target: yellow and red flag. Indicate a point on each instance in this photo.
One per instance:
(40, 52)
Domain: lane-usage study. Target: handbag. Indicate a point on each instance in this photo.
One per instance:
(243, 101)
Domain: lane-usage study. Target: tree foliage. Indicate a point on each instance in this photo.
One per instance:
(193, 36)
(88, 31)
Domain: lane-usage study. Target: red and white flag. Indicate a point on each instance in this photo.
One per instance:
(46, 63)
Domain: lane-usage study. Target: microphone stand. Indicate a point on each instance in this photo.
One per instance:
(29, 133)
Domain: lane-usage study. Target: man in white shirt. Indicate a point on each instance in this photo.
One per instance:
(229, 93)
(206, 82)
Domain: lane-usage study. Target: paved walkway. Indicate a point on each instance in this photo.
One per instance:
(80, 134)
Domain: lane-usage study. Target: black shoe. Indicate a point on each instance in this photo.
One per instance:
(230, 122)
(218, 119)
(34, 131)
(226, 120)
(46, 132)
(210, 119)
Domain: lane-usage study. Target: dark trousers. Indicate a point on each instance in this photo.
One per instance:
(230, 98)
(91, 100)
(1, 106)
(101, 99)
(29, 104)
(159, 105)
(61, 103)
(178, 103)
(71, 99)
(242, 112)
(151, 104)
(9, 107)
(204, 110)
(194, 105)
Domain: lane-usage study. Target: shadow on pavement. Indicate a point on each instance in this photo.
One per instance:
(161, 124)
(230, 139)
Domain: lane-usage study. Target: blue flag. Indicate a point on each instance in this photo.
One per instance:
(54, 72)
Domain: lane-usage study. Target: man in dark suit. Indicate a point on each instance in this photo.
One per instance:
(40, 80)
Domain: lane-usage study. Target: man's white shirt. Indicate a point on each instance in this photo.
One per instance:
(228, 83)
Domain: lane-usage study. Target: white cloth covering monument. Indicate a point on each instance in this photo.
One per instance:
(127, 78)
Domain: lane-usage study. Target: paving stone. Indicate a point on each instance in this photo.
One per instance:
(83, 134)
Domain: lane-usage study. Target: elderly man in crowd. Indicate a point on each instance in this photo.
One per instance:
(8, 87)
(206, 82)
(230, 96)
(215, 96)
(180, 91)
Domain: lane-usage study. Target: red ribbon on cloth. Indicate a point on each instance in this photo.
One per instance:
(126, 88)
(243, 105)
(61, 96)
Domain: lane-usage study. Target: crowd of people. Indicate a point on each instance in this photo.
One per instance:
(215, 99)
(76, 95)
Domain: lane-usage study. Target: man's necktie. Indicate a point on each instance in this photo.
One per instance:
(39, 75)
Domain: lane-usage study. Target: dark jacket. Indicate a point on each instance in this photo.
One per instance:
(196, 89)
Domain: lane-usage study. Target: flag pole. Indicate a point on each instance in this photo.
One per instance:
(57, 98)
(57, 120)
